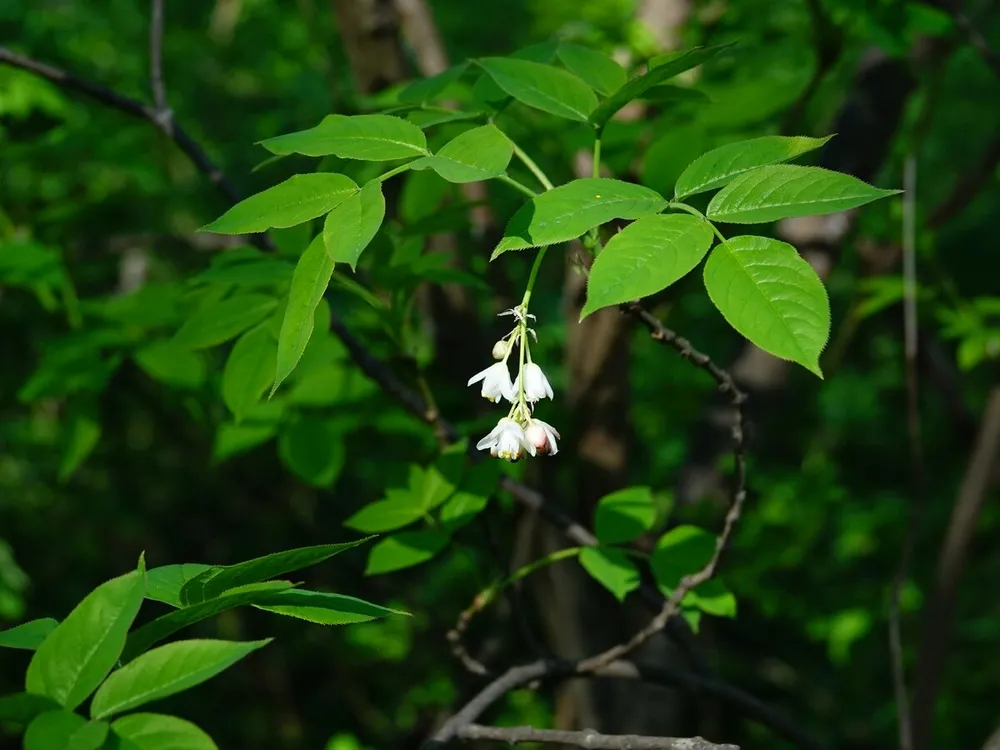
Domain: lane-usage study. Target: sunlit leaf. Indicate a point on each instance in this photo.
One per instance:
(646, 257)
(297, 199)
(323, 608)
(352, 225)
(771, 295)
(570, 210)
(612, 569)
(367, 137)
(623, 515)
(404, 550)
(478, 154)
(28, 635)
(782, 191)
(595, 68)
(159, 732)
(249, 370)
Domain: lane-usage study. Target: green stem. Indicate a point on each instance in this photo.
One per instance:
(530, 164)
(517, 185)
(597, 156)
(695, 212)
(392, 172)
(532, 276)
(521, 573)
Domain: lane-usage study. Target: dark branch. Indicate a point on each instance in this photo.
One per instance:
(587, 738)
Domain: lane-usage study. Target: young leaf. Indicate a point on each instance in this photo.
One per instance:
(22, 708)
(79, 653)
(720, 165)
(405, 550)
(624, 515)
(160, 732)
(164, 584)
(771, 295)
(323, 608)
(155, 631)
(647, 256)
(612, 569)
(595, 68)
(478, 154)
(296, 200)
(165, 671)
(399, 509)
(249, 370)
(352, 225)
(782, 191)
(570, 210)
(219, 579)
(428, 89)
(366, 137)
(637, 87)
(220, 321)
(53, 730)
(309, 283)
(541, 86)
(29, 635)
(313, 449)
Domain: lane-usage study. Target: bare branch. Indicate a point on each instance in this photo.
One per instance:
(587, 738)
(951, 565)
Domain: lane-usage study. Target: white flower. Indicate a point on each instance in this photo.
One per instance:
(496, 382)
(507, 441)
(536, 385)
(542, 436)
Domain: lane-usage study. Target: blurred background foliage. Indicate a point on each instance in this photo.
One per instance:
(110, 445)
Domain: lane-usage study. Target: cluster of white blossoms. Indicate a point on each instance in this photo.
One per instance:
(519, 432)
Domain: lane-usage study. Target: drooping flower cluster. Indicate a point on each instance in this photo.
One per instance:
(519, 432)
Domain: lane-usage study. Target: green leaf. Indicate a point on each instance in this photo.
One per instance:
(401, 508)
(771, 295)
(22, 708)
(249, 370)
(405, 550)
(164, 584)
(646, 257)
(366, 137)
(28, 635)
(441, 478)
(165, 671)
(294, 201)
(159, 732)
(84, 434)
(313, 449)
(570, 210)
(477, 154)
(684, 551)
(461, 508)
(595, 68)
(612, 569)
(79, 653)
(233, 439)
(782, 191)
(428, 89)
(352, 225)
(323, 608)
(221, 578)
(155, 631)
(172, 365)
(220, 321)
(637, 87)
(623, 515)
(541, 86)
(309, 283)
(720, 165)
(53, 730)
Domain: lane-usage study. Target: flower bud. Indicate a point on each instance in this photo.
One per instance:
(537, 436)
(500, 349)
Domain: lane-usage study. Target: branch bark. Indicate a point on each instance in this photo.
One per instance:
(940, 612)
(586, 738)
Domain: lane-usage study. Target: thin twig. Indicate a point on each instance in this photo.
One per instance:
(916, 452)
(737, 397)
(586, 738)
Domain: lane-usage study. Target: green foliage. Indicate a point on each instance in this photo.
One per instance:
(159, 732)
(570, 210)
(28, 635)
(478, 154)
(542, 87)
(771, 295)
(612, 569)
(367, 137)
(622, 516)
